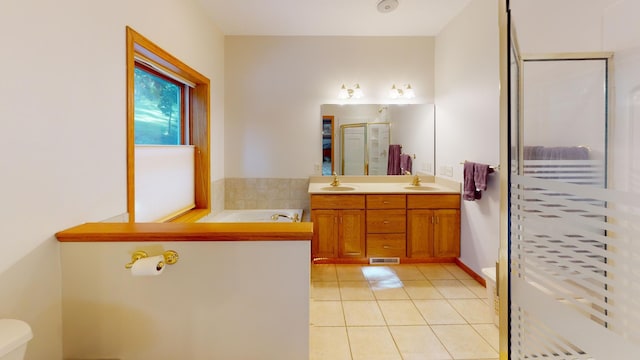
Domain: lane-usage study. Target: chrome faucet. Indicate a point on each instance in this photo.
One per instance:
(335, 181)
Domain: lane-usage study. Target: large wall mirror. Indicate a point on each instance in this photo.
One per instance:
(378, 139)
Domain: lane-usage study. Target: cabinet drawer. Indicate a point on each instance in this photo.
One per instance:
(386, 201)
(337, 201)
(433, 201)
(393, 245)
(386, 221)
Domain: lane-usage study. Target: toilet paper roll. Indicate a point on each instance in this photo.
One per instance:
(149, 266)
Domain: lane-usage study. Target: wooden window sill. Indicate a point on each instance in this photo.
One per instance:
(132, 232)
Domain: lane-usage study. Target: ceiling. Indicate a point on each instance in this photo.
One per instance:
(331, 17)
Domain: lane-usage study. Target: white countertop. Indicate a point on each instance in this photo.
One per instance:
(382, 185)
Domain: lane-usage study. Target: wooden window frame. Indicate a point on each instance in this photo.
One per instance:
(199, 129)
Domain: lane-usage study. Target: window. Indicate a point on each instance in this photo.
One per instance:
(159, 102)
(167, 135)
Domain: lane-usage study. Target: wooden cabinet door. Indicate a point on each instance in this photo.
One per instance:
(447, 233)
(352, 233)
(325, 233)
(420, 224)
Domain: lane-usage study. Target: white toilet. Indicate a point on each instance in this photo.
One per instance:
(14, 336)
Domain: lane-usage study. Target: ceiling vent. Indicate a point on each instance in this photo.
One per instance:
(385, 6)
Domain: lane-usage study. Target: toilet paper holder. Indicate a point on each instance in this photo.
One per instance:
(170, 257)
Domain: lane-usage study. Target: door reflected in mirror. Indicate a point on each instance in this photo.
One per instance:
(327, 145)
(370, 139)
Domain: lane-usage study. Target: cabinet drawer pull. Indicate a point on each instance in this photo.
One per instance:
(386, 247)
(385, 222)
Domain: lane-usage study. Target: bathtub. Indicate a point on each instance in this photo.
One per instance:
(258, 215)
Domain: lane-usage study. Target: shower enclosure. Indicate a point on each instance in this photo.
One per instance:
(573, 284)
(364, 148)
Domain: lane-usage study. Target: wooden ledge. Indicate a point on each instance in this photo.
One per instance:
(122, 232)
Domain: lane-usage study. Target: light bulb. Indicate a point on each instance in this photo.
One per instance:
(343, 94)
(408, 92)
(394, 93)
(357, 92)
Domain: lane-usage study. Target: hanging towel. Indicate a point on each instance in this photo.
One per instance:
(480, 173)
(405, 163)
(469, 189)
(475, 180)
(393, 164)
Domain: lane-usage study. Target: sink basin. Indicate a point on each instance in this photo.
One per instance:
(338, 188)
(420, 188)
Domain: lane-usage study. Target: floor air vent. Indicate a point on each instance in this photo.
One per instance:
(384, 260)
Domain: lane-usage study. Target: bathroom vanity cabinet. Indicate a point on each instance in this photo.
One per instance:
(407, 226)
(338, 226)
(433, 226)
(386, 225)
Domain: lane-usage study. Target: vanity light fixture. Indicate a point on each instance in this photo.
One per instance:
(349, 93)
(405, 92)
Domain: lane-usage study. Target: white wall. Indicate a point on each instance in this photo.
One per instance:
(555, 26)
(467, 120)
(231, 300)
(63, 111)
(275, 86)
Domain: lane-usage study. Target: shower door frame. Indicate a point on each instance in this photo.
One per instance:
(509, 49)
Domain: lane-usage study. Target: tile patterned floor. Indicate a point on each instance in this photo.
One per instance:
(404, 312)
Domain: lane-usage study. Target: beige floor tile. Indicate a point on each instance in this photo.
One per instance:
(388, 290)
(463, 342)
(457, 271)
(408, 272)
(453, 289)
(475, 311)
(329, 343)
(325, 290)
(349, 272)
(441, 295)
(362, 313)
(326, 313)
(323, 272)
(435, 272)
(372, 343)
(475, 287)
(356, 290)
(418, 343)
(438, 312)
(490, 333)
(421, 290)
(401, 312)
(380, 273)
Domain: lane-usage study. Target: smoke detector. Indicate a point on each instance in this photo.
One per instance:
(385, 6)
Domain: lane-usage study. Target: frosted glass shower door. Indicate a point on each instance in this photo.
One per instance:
(353, 149)
(378, 135)
(568, 298)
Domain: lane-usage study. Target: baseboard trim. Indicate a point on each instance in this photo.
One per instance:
(476, 277)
